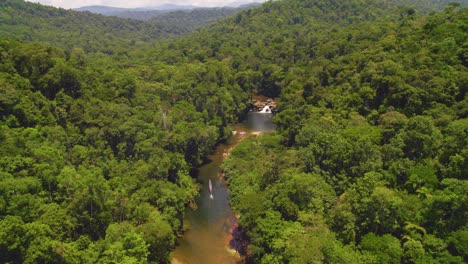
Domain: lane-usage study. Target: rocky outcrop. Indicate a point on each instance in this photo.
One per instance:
(258, 105)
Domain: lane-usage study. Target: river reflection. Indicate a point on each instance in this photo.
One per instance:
(209, 227)
(257, 121)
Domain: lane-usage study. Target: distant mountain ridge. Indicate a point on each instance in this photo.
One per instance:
(26, 21)
(147, 13)
(103, 10)
(111, 10)
(100, 129)
(173, 7)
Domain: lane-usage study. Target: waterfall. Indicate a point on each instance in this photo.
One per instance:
(266, 109)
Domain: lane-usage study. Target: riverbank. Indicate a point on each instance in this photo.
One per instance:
(237, 241)
(212, 234)
(208, 229)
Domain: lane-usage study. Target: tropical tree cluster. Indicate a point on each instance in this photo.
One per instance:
(101, 122)
(25, 21)
(95, 155)
(368, 164)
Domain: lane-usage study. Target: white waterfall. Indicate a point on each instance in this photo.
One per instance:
(266, 109)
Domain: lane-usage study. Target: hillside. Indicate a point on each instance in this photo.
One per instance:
(371, 136)
(143, 13)
(26, 21)
(96, 153)
(179, 20)
(428, 5)
(103, 10)
(188, 21)
(101, 122)
(371, 139)
(94, 160)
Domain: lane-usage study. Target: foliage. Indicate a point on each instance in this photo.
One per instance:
(25, 21)
(371, 136)
(94, 149)
(99, 126)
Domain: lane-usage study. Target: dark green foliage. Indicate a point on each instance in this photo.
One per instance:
(370, 110)
(184, 19)
(99, 128)
(33, 22)
(91, 146)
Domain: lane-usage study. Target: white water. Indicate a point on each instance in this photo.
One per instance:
(266, 109)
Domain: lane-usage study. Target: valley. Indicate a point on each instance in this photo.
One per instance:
(111, 130)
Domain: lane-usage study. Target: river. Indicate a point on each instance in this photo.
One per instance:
(209, 227)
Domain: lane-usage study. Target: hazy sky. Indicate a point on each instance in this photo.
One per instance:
(136, 3)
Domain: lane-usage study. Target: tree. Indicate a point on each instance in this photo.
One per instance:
(445, 211)
(421, 138)
(123, 244)
(159, 237)
(457, 241)
(413, 251)
(60, 77)
(57, 219)
(386, 248)
(12, 239)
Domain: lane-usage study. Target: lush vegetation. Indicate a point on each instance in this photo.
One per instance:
(26, 21)
(111, 35)
(94, 161)
(186, 21)
(369, 161)
(176, 22)
(100, 123)
(96, 148)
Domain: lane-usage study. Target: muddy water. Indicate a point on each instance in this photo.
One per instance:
(209, 227)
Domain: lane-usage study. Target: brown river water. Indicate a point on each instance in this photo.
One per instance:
(209, 228)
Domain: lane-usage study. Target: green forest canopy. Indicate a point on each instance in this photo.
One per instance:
(101, 121)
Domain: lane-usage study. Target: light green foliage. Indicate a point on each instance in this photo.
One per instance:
(283, 214)
(58, 220)
(301, 246)
(89, 142)
(422, 176)
(386, 248)
(159, 236)
(413, 251)
(99, 125)
(124, 245)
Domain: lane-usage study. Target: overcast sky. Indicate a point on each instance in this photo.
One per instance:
(136, 3)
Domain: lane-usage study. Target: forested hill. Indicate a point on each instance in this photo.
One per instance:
(428, 5)
(370, 157)
(197, 15)
(116, 11)
(180, 22)
(96, 148)
(185, 21)
(27, 21)
(263, 43)
(368, 164)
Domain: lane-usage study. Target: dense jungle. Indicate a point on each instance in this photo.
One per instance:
(103, 119)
